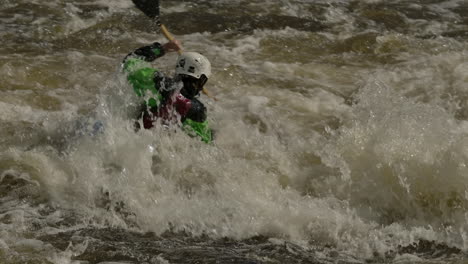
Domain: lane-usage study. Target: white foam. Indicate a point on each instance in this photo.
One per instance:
(4, 245)
(407, 258)
(410, 150)
(29, 244)
(116, 5)
(264, 175)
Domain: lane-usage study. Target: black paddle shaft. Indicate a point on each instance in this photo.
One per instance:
(149, 7)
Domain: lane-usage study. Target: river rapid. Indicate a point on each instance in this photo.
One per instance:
(341, 134)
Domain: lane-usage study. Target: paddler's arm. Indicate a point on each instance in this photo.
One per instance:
(140, 72)
(150, 53)
(194, 119)
(200, 129)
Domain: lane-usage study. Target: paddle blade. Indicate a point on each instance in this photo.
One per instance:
(149, 7)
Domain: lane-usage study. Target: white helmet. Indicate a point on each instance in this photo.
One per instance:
(193, 64)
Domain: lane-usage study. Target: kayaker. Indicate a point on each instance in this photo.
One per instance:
(170, 100)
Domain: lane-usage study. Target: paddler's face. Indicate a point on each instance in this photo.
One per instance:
(197, 84)
(201, 82)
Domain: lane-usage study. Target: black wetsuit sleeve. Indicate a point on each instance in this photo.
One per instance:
(147, 53)
(197, 111)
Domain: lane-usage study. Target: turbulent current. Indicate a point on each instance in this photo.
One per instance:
(341, 134)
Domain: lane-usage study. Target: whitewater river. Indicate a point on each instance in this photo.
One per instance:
(341, 134)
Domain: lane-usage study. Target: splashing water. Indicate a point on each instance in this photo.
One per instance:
(340, 135)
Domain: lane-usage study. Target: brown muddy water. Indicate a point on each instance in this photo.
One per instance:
(341, 134)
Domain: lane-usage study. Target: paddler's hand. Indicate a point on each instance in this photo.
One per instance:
(172, 46)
